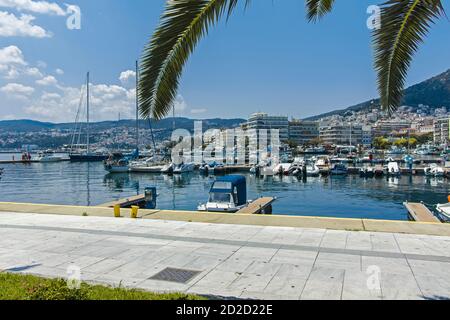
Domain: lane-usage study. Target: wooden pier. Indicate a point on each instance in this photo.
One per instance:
(420, 213)
(260, 206)
(125, 203)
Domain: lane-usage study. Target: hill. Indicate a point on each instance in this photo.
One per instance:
(434, 92)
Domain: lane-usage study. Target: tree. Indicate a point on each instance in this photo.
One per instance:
(381, 143)
(404, 25)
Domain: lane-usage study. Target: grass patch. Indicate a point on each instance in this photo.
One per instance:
(26, 287)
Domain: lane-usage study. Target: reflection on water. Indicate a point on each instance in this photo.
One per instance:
(351, 196)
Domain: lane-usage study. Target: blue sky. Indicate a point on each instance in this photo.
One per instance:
(267, 58)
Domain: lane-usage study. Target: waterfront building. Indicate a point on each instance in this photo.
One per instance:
(441, 131)
(385, 128)
(261, 121)
(342, 134)
(302, 132)
(367, 136)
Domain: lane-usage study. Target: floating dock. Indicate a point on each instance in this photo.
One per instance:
(420, 213)
(260, 206)
(125, 203)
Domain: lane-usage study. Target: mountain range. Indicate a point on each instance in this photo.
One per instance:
(165, 124)
(434, 92)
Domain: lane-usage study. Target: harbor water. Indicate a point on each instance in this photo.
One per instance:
(350, 196)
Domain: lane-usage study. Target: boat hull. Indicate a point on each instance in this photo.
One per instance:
(87, 158)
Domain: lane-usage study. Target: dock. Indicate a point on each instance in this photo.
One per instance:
(260, 206)
(420, 213)
(125, 203)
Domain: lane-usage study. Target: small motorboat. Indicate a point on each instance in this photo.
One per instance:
(392, 169)
(229, 194)
(184, 168)
(324, 164)
(47, 156)
(434, 170)
(367, 172)
(444, 212)
(282, 168)
(339, 169)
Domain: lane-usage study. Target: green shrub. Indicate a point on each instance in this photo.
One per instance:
(55, 290)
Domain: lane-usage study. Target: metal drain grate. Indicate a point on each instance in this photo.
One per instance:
(175, 275)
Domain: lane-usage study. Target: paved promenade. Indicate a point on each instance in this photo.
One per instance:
(234, 261)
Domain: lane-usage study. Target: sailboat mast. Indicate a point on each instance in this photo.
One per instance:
(137, 105)
(87, 116)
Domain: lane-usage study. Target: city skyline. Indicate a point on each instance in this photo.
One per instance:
(233, 74)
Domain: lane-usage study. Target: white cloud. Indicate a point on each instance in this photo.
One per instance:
(33, 72)
(59, 71)
(17, 91)
(11, 55)
(47, 81)
(180, 104)
(106, 102)
(12, 26)
(126, 76)
(198, 111)
(42, 7)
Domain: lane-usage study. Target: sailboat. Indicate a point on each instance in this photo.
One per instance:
(87, 155)
(123, 165)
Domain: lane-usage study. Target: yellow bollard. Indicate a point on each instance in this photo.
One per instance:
(117, 211)
(134, 212)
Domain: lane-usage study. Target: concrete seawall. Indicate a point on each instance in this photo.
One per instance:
(406, 227)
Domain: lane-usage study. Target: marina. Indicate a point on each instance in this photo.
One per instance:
(347, 196)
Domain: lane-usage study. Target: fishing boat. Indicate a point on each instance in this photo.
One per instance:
(85, 155)
(367, 172)
(184, 168)
(444, 212)
(339, 169)
(47, 156)
(392, 169)
(227, 194)
(433, 170)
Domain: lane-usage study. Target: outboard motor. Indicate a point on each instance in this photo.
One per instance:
(150, 198)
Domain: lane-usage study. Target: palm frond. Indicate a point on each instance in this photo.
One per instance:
(404, 24)
(317, 9)
(182, 25)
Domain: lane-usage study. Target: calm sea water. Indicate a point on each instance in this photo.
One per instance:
(89, 184)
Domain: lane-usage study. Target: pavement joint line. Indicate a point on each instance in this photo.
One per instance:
(381, 254)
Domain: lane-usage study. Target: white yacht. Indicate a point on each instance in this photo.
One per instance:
(47, 156)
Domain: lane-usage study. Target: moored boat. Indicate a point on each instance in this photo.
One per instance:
(227, 194)
(339, 169)
(47, 156)
(367, 172)
(184, 168)
(444, 212)
(433, 170)
(392, 169)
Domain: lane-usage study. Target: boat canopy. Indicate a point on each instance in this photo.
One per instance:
(234, 184)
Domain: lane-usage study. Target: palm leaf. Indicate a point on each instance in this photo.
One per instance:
(404, 24)
(316, 9)
(182, 25)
